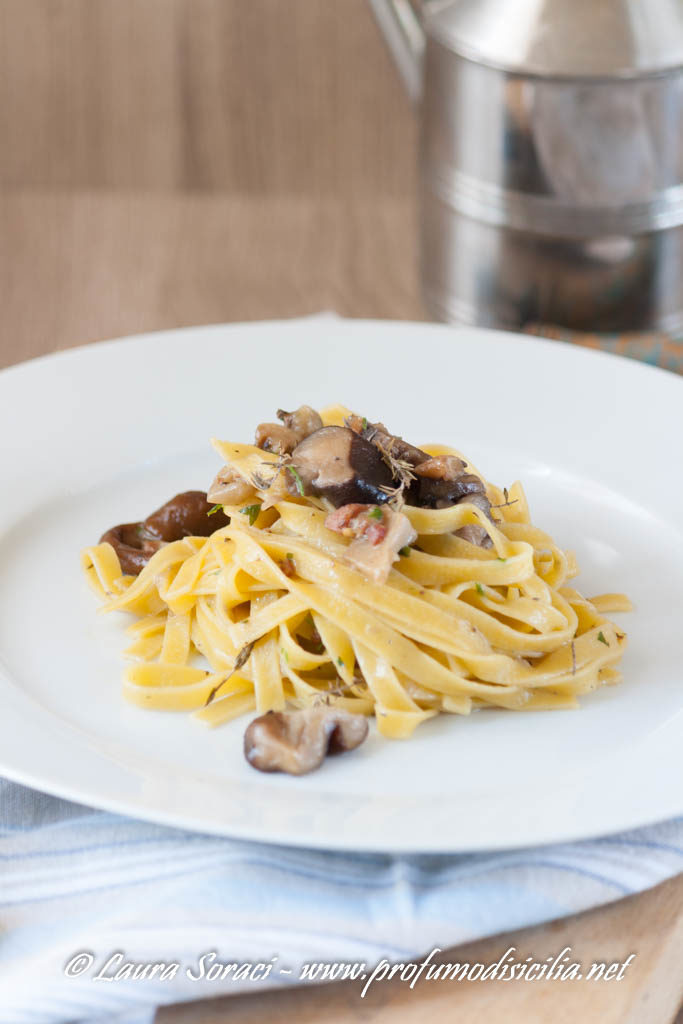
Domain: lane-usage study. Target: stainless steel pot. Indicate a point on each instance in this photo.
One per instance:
(551, 162)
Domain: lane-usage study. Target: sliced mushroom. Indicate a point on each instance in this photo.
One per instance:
(433, 493)
(442, 481)
(132, 545)
(340, 465)
(388, 443)
(473, 532)
(297, 742)
(274, 437)
(303, 421)
(229, 488)
(283, 438)
(185, 515)
(441, 467)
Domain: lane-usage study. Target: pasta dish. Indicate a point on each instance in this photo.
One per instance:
(334, 573)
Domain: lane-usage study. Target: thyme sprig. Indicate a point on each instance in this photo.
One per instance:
(401, 470)
(240, 661)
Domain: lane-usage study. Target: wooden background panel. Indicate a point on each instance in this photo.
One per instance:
(248, 96)
(169, 162)
(81, 266)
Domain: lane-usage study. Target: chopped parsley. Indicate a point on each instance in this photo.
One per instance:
(252, 511)
(340, 661)
(284, 654)
(297, 480)
(216, 508)
(364, 423)
(376, 513)
(404, 552)
(601, 638)
(499, 559)
(480, 589)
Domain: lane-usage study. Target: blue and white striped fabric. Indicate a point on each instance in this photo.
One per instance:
(74, 880)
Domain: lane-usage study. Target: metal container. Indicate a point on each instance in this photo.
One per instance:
(551, 158)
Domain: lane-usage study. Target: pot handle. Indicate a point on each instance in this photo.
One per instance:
(405, 37)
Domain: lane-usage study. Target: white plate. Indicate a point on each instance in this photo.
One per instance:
(103, 434)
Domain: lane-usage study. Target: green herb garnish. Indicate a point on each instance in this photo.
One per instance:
(284, 654)
(297, 480)
(340, 661)
(252, 511)
(480, 589)
(376, 513)
(364, 423)
(499, 559)
(404, 552)
(216, 508)
(601, 638)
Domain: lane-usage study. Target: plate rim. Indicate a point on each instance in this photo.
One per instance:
(111, 804)
(537, 340)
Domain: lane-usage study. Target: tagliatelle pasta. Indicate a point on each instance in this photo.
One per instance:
(269, 611)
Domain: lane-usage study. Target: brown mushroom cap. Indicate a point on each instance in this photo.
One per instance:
(297, 742)
(392, 443)
(229, 488)
(342, 466)
(132, 546)
(185, 515)
(429, 492)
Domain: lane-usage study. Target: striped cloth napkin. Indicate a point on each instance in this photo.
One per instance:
(82, 883)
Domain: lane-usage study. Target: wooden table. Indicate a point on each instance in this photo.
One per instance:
(650, 925)
(169, 162)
